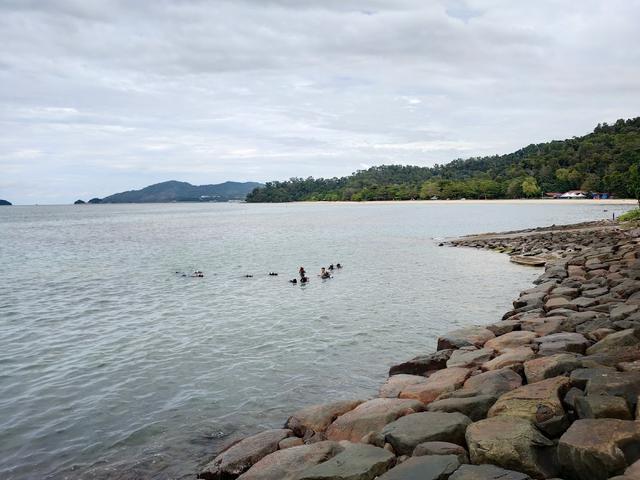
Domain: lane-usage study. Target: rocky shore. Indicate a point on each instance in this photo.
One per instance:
(549, 391)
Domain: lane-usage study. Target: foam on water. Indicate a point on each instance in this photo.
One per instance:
(114, 366)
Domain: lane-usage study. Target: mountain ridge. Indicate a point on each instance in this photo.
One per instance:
(177, 191)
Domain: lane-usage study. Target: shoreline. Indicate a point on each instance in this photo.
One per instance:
(549, 390)
(514, 201)
(506, 201)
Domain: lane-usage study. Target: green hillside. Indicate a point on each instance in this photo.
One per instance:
(605, 160)
(173, 191)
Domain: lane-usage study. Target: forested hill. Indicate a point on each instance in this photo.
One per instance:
(603, 161)
(173, 191)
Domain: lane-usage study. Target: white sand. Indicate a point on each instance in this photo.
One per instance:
(538, 201)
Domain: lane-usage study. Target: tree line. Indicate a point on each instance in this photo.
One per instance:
(606, 160)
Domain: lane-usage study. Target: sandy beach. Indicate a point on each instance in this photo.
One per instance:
(520, 201)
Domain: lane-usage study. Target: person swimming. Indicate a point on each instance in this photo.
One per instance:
(294, 281)
(304, 279)
(331, 267)
(302, 272)
(324, 273)
(197, 274)
(338, 265)
(273, 274)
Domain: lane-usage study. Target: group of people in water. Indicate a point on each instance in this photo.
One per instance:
(324, 273)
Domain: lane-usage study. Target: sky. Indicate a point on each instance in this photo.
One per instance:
(98, 97)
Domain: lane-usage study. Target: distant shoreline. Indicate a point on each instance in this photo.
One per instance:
(508, 201)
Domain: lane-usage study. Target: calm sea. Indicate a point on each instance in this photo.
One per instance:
(112, 365)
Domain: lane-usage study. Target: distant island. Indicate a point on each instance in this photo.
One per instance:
(602, 164)
(174, 191)
(5, 202)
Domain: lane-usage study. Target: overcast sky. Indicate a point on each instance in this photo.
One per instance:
(98, 97)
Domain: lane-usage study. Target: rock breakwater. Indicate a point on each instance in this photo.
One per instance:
(549, 391)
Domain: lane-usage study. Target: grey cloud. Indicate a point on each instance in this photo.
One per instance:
(100, 96)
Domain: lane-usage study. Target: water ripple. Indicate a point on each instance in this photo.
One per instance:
(114, 366)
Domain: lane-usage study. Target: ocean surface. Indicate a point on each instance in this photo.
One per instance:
(113, 365)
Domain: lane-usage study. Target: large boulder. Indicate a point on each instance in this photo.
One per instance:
(465, 337)
(581, 376)
(511, 340)
(238, 458)
(546, 367)
(370, 416)
(535, 298)
(602, 406)
(423, 364)
(619, 384)
(443, 381)
(475, 408)
(431, 467)
(512, 443)
(559, 302)
(289, 463)
(442, 448)
(540, 403)
(562, 343)
(494, 382)
(624, 338)
(596, 449)
(614, 357)
(407, 432)
(396, 383)
(355, 462)
(470, 358)
(317, 418)
(513, 358)
(505, 326)
(567, 292)
(621, 312)
(544, 325)
(486, 472)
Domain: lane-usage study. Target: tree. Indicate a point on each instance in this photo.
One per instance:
(430, 189)
(530, 187)
(514, 190)
(591, 183)
(634, 182)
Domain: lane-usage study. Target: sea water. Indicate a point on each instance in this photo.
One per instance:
(115, 365)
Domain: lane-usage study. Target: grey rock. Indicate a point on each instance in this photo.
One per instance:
(287, 464)
(596, 449)
(494, 382)
(486, 472)
(603, 406)
(236, 459)
(512, 443)
(470, 358)
(442, 448)
(431, 467)
(475, 408)
(464, 337)
(316, 418)
(407, 432)
(622, 311)
(624, 338)
(423, 364)
(356, 462)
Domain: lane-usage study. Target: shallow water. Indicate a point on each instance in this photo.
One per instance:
(114, 366)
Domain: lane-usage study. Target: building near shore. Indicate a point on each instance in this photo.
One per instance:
(574, 194)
